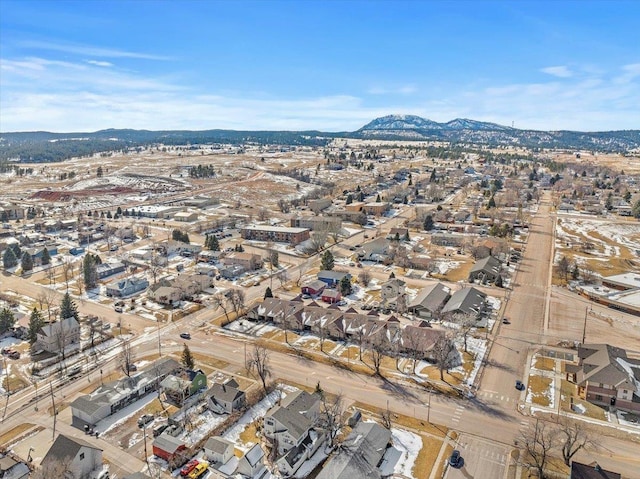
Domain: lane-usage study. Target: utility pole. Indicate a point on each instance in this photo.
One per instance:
(584, 328)
(55, 413)
(429, 408)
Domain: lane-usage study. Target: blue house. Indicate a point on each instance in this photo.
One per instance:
(332, 278)
(76, 251)
(127, 287)
(37, 252)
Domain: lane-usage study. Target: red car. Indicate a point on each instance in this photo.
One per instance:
(188, 467)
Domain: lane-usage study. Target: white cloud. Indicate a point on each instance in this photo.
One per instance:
(90, 51)
(558, 71)
(100, 63)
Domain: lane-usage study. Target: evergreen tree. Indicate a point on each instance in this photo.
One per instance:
(99, 172)
(7, 320)
(36, 321)
(26, 262)
(378, 199)
(268, 293)
(433, 177)
(349, 199)
(428, 223)
(327, 261)
(499, 282)
(68, 308)
(9, 258)
(214, 245)
(491, 203)
(396, 237)
(46, 257)
(392, 275)
(406, 237)
(187, 358)
(89, 271)
(119, 211)
(345, 286)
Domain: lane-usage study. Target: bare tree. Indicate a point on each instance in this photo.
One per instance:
(126, 357)
(219, 300)
(236, 299)
(443, 350)
(377, 347)
(364, 277)
(413, 343)
(263, 214)
(54, 468)
(67, 271)
(258, 363)
(47, 297)
(573, 438)
(282, 276)
(331, 417)
(317, 240)
(93, 330)
(537, 442)
(466, 322)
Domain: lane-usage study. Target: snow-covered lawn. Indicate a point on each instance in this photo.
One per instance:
(122, 415)
(409, 445)
(252, 415)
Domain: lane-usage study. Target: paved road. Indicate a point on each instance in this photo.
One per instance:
(483, 459)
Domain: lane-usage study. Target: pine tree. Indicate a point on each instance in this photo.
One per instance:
(378, 198)
(268, 293)
(187, 358)
(345, 286)
(9, 258)
(68, 308)
(327, 261)
(36, 321)
(349, 199)
(46, 257)
(99, 172)
(406, 237)
(7, 320)
(89, 271)
(213, 245)
(26, 262)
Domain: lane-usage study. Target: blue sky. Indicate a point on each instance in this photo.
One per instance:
(327, 65)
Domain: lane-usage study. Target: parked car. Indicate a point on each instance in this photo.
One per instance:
(455, 460)
(506, 321)
(119, 309)
(519, 385)
(145, 419)
(159, 430)
(185, 335)
(188, 467)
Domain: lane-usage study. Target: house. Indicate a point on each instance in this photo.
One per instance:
(55, 337)
(179, 387)
(448, 239)
(591, 471)
(486, 270)
(376, 208)
(393, 288)
(168, 290)
(113, 396)
(251, 464)
(11, 468)
(231, 271)
(168, 447)
(104, 270)
(467, 301)
(418, 341)
(127, 287)
(400, 233)
(38, 253)
(225, 397)
(248, 261)
(429, 301)
(330, 295)
(218, 450)
(82, 457)
(287, 424)
(376, 250)
(278, 234)
(362, 452)
(185, 216)
(313, 288)
(606, 377)
(332, 278)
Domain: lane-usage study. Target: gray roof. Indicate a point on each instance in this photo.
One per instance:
(292, 413)
(599, 364)
(335, 275)
(365, 446)
(66, 447)
(254, 455)
(466, 301)
(432, 298)
(489, 265)
(167, 443)
(224, 392)
(591, 471)
(218, 444)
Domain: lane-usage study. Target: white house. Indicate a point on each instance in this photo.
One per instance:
(53, 337)
(81, 457)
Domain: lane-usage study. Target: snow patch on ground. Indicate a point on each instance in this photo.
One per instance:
(409, 445)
